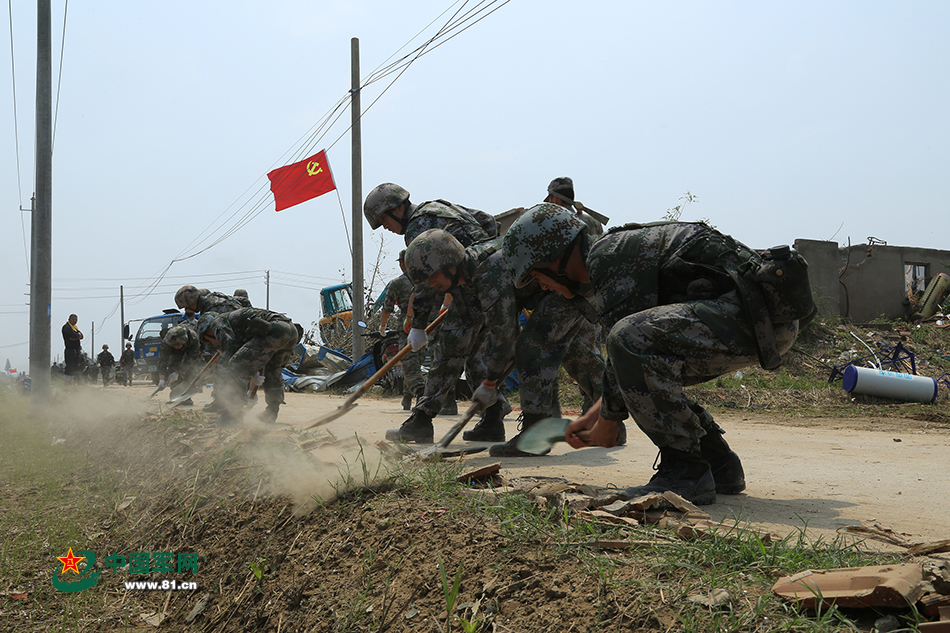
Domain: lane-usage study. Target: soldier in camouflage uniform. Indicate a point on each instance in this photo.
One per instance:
(179, 356)
(255, 342)
(193, 300)
(677, 312)
(399, 293)
(388, 206)
(483, 300)
(555, 334)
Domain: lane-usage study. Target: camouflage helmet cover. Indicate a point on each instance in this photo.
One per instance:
(381, 199)
(204, 322)
(538, 238)
(178, 335)
(430, 252)
(186, 297)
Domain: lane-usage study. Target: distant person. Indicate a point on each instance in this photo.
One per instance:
(73, 354)
(127, 362)
(106, 362)
(561, 192)
(400, 294)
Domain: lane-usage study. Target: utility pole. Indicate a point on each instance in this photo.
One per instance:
(92, 344)
(267, 286)
(121, 319)
(356, 136)
(42, 217)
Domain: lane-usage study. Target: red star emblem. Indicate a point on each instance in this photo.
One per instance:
(70, 561)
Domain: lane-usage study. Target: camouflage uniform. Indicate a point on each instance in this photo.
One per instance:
(185, 361)
(480, 328)
(209, 301)
(555, 334)
(256, 341)
(397, 294)
(462, 224)
(673, 319)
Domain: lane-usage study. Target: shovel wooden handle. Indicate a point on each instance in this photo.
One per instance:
(366, 386)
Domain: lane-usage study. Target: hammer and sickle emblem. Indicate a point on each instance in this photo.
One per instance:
(313, 168)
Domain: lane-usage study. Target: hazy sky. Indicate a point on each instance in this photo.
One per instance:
(821, 120)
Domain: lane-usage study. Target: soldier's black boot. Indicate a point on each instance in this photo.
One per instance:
(491, 428)
(686, 474)
(450, 407)
(418, 428)
(407, 402)
(723, 461)
(274, 398)
(510, 448)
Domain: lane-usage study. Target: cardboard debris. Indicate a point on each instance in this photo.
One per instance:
(481, 474)
(607, 517)
(929, 548)
(933, 603)
(874, 586)
(704, 528)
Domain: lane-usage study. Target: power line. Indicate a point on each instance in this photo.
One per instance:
(16, 126)
(258, 201)
(59, 81)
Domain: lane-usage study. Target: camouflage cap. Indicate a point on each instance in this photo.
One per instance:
(240, 292)
(178, 335)
(187, 297)
(563, 188)
(432, 251)
(537, 238)
(381, 199)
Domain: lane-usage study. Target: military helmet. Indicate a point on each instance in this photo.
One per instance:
(430, 252)
(204, 322)
(537, 238)
(186, 297)
(381, 199)
(178, 335)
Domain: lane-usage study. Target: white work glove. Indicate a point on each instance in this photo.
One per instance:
(258, 380)
(161, 384)
(417, 338)
(486, 394)
(173, 377)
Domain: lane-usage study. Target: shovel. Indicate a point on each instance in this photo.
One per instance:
(350, 402)
(439, 448)
(192, 389)
(157, 390)
(539, 439)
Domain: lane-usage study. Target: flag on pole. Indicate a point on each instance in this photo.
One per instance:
(301, 181)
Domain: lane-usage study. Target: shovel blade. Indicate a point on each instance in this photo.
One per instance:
(544, 434)
(181, 398)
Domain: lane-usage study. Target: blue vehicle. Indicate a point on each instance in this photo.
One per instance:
(148, 341)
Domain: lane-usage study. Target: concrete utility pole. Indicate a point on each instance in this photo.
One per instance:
(42, 218)
(121, 319)
(267, 285)
(356, 137)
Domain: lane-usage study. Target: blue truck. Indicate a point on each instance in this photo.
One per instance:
(148, 341)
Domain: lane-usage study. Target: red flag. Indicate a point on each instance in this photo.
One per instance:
(299, 182)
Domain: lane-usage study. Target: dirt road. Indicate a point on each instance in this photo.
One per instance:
(817, 473)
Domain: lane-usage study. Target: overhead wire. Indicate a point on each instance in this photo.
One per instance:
(257, 202)
(59, 80)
